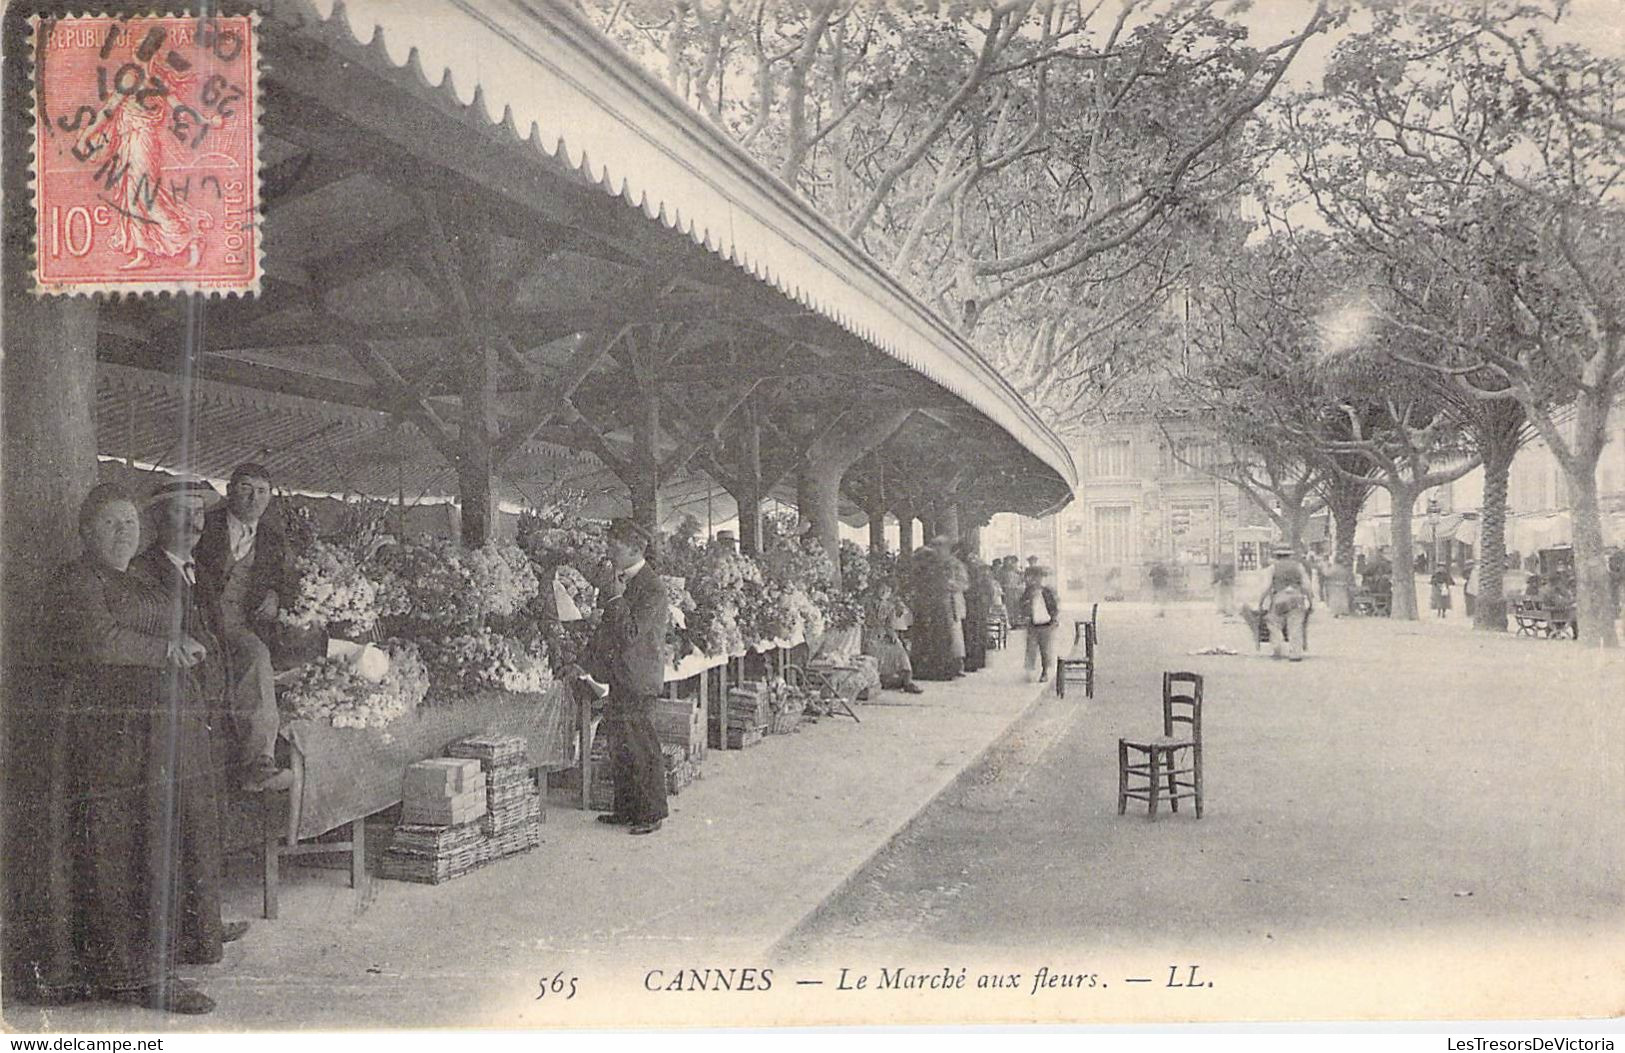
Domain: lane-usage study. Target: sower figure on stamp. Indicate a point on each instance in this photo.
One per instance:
(626, 653)
(239, 568)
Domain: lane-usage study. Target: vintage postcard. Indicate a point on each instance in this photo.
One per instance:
(591, 514)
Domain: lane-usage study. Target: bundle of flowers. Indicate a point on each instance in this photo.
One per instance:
(559, 536)
(427, 589)
(682, 553)
(330, 689)
(502, 577)
(331, 590)
(715, 631)
(485, 660)
(363, 528)
(580, 590)
(783, 611)
(679, 605)
(802, 565)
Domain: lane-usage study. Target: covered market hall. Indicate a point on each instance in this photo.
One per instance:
(501, 262)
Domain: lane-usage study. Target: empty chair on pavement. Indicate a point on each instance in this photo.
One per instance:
(1168, 767)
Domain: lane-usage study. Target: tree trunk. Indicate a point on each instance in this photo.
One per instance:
(1490, 606)
(1295, 518)
(877, 528)
(1594, 603)
(50, 445)
(1404, 579)
(475, 469)
(749, 500)
(818, 498)
(1345, 498)
(645, 482)
(905, 529)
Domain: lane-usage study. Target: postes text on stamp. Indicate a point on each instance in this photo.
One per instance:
(146, 174)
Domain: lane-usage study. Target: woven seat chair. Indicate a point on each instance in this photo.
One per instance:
(1080, 663)
(1168, 767)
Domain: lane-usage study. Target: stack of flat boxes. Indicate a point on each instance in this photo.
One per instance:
(513, 814)
(748, 714)
(441, 834)
(680, 727)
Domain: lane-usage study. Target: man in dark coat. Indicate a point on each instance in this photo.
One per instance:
(176, 512)
(240, 568)
(627, 653)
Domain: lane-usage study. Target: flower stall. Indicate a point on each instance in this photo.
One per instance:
(404, 647)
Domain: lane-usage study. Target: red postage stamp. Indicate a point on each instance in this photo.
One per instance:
(146, 173)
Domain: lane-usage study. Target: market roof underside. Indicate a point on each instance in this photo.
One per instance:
(444, 182)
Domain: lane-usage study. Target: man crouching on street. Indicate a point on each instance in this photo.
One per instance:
(626, 653)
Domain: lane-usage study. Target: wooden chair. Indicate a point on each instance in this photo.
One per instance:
(1092, 625)
(814, 682)
(1078, 664)
(1168, 767)
(998, 633)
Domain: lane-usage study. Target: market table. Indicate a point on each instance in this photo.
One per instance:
(343, 775)
(694, 666)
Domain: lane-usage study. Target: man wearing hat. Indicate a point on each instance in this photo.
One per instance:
(176, 512)
(627, 653)
(240, 567)
(1285, 602)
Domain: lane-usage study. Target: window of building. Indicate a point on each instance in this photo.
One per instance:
(1113, 459)
(1192, 457)
(1112, 538)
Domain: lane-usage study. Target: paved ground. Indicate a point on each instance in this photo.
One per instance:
(1417, 821)
(765, 836)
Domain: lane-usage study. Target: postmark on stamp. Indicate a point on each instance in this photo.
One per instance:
(145, 166)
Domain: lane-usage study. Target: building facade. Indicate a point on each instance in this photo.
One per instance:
(1539, 505)
(1146, 497)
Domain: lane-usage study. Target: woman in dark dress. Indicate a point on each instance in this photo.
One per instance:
(141, 859)
(978, 605)
(931, 646)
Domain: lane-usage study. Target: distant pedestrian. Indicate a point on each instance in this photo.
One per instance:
(1224, 588)
(1286, 603)
(1043, 614)
(1442, 584)
(1469, 590)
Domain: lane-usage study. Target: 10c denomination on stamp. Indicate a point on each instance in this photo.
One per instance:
(146, 154)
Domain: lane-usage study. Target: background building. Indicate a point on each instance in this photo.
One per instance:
(1145, 497)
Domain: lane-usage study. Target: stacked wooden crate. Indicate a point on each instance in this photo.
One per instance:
(748, 714)
(680, 722)
(513, 816)
(441, 834)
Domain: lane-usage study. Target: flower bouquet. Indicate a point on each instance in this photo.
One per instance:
(679, 605)
(331, 590)
(427, 589)
(485, 661)
(332, 689)
(503, 579)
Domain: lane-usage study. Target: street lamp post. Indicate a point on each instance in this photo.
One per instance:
(1433, 521)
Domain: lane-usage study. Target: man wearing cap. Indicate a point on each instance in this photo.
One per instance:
(627, 653)
(1285, 602)
(240, 566)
